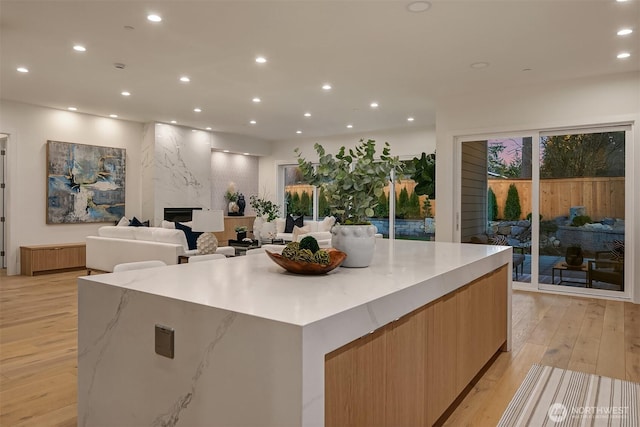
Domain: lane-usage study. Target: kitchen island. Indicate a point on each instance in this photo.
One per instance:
(393, 343)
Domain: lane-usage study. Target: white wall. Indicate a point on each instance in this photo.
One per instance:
(405, 142)
(30, 127)
(237, 168)
(574, 103)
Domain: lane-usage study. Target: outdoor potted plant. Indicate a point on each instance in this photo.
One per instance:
(353, 181)
(266, 211)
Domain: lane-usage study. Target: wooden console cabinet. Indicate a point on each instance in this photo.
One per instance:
(230, 224)
(39, 259)
(409, 372)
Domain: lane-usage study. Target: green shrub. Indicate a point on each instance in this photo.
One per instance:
(323, 204)
(427, 208)
(580, 220)
(512, 210)
(401, 205)
(382, 209)
(492, 205)
(413, 206)
(306, 205)
(548, 227)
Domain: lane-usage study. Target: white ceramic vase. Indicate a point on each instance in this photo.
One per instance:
(268, 230)
(357, 241)
(257, 228)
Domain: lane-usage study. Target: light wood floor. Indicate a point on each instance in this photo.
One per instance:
(38, 336)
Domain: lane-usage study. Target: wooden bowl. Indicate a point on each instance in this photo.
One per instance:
(309, 268)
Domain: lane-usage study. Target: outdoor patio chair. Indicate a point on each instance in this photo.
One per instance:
(606, 269)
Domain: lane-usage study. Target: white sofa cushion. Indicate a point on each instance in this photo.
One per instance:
(143, 233)
(281, 224)
(165, 235)
(116, 232)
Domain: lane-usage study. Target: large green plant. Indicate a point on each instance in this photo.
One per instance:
(353, 179)
(424, 174)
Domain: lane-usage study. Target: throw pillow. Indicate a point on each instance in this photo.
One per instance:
(617, 250)
(168, 224)
(288, 228)
(299, 222)
(124, 222)
(192, 236)
(327, 223)
(299, 231)
(135, 222)
(499, 240)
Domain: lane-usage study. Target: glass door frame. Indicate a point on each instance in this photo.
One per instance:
(535, 202)
(457, 231)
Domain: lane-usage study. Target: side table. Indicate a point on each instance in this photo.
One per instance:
(562, 266)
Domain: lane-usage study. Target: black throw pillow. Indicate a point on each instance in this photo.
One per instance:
(192, 236)
(135, 222)
(298, 222)
(288, 228)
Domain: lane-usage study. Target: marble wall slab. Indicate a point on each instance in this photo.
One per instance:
(182, 169)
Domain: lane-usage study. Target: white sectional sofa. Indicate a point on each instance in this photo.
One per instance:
(116, 245)
(321, 230)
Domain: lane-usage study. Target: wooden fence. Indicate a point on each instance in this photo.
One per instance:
(601, 196)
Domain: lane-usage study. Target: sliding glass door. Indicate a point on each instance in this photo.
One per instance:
(558, 199)
(582, 210)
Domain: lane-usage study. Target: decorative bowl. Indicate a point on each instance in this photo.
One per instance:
(309, 268)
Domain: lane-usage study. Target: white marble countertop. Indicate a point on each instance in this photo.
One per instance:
(256, 286)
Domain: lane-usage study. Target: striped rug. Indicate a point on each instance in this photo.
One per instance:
(559, 397)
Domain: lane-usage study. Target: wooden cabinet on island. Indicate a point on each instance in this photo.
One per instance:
(39, 259)
(392, 344)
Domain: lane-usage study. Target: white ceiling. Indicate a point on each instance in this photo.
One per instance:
(368, 50)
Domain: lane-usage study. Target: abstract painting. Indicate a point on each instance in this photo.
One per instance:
(85, 183)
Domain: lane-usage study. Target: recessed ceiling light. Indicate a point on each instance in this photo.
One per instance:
(307, 114)
(326, 86)
(154, 18)
(625, 32)
(208, 128)
(72, 108)
(125, 93)
(22, 70)
(418, 6)
(225, 151)
(246, 154)
(193, 130)
(349, 126)
(621, 1)
(113, 116)
(253, 122)
(526, 69)
(197, 110)
(410, 119)
(478, 65)
(298, 131)
(173, 122)
(79, 48)
(374, 105)
(256, 100)
(261, 59)
(623, 55)
(185, 79)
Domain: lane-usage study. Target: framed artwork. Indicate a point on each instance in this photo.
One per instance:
(85, 183)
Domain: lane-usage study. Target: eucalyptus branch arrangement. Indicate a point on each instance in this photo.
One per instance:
(264, 208)
(353, 179)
